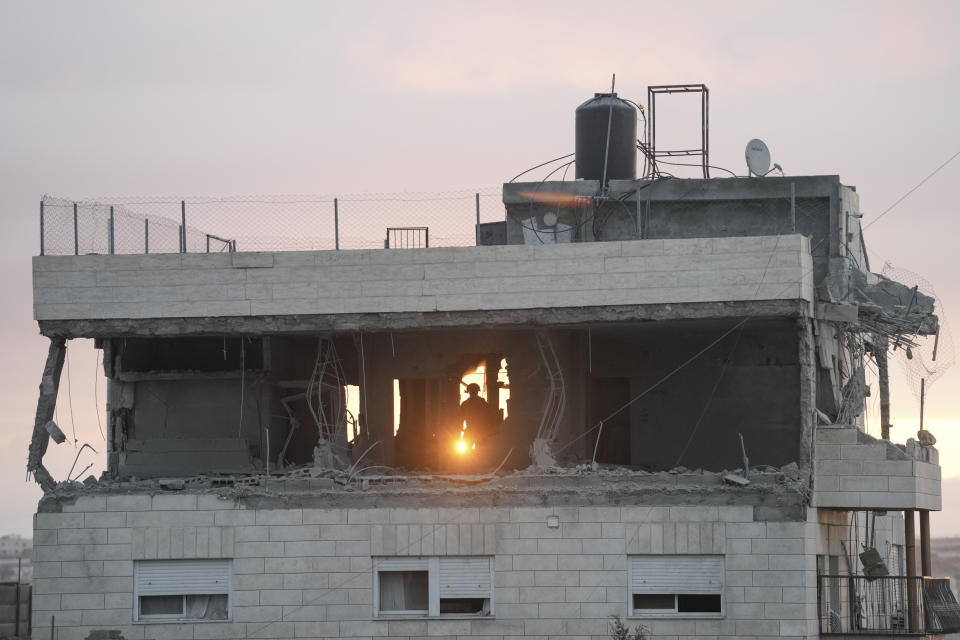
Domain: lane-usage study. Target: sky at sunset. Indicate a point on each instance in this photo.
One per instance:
(230, 98)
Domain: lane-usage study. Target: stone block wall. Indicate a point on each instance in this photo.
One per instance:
(423, 280)
(853, 470)
(307, 572)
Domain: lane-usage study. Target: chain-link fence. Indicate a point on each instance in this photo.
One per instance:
(261, 223)
(930, 356)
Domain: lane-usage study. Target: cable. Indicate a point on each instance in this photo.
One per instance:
(692, 358)
(542, 164)
(917, 186)
(687, 164)
(727, 362)
(706, 406)
(658, 382)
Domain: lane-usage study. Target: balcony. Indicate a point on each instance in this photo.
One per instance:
(886, 606)
(853, 470)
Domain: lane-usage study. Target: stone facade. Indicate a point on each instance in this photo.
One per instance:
(307, 573)
(854, 470)
(423, 280)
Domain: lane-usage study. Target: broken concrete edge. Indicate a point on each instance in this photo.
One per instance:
(46, 404)
(773, 491)
(354, 322)
(531, 486)
(808, 398)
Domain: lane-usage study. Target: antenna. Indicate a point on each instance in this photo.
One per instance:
(758, 158)
(606, 152)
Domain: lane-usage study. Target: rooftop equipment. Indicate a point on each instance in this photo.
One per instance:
(605, 115)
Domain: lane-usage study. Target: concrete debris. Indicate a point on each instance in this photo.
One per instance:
(338, 487)
(791, 471)
(926, 438)
(90, 481)
(873, 564)
(54, 431)
(46, 403)
(172, 484)
(325, 457)
(541, 453)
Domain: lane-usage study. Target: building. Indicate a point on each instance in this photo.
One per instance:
(14, 546)
(674, 380)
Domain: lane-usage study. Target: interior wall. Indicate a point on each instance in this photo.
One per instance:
(746, 384)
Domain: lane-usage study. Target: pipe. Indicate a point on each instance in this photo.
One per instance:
(880, 354)
(910, 536)
(925, 561)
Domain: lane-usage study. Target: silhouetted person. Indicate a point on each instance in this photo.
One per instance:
(476, 413)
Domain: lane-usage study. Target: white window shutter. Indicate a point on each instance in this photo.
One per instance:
(465, 577)
(178, 577)
(676, 574)
(412, 563)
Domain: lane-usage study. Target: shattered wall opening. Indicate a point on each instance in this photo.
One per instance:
(456, 401)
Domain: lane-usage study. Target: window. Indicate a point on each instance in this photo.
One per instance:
(182, 590)
(419, 586)
(684, 586)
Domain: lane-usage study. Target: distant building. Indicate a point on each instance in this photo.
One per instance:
(12, 545)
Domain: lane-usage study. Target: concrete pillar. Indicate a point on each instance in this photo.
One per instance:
(376, 398)
(925, 563)
(880, 354)
(910, 536)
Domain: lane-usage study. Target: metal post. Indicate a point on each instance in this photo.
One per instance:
(705, 122)
(208, 243)
(76, 237)
(146, 235)
(111, 231)
(16, 615)
(426, 237)
(925, 560)
(180, 237)
(478, 221)
(606, 153)
(41, 227)
(336, 224)
(910, 534)
(883, 378)
(53, 627)
(793, 206)
(183, 226)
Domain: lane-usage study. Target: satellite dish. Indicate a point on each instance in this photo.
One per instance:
(758, 157)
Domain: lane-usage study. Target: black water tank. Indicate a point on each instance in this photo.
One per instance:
(592, 118)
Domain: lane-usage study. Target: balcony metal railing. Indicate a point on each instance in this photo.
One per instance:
(889, 605)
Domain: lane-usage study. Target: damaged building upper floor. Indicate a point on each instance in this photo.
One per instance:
(657, 324)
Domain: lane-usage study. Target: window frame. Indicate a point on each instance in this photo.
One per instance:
(430, 564)
(225, 564)
(719, 590)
